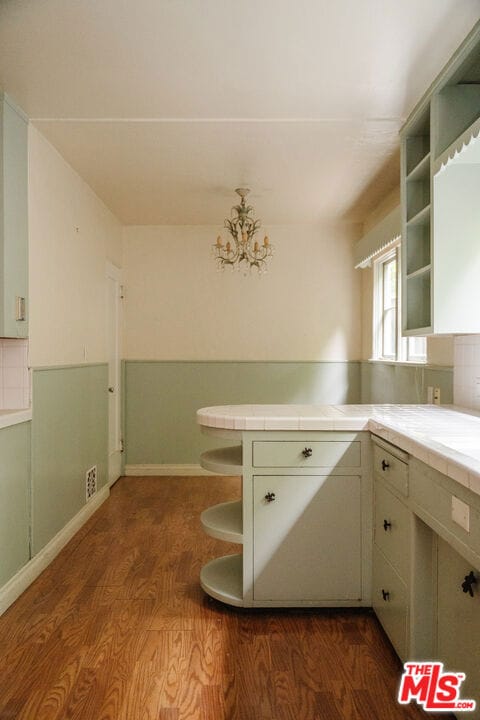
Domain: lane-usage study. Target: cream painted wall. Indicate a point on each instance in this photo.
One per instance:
(389, 203)
(440, 350)
(178, 307)
(71, 235)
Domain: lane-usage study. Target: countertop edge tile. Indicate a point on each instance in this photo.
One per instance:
(439, 436)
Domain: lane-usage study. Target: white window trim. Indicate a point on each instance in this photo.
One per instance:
(402, 344)
(378, 266)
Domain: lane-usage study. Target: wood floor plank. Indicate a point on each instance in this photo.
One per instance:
(118, 628)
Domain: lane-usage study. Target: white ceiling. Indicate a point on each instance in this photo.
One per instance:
(165, 106)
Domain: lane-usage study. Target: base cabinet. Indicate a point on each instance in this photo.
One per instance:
(304, 520)
(307, 538)
(458, 619)
(14, 499)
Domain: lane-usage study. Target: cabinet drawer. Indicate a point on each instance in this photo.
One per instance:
(392, 528)
(390, 468)
(428, 491)
(328, 453)
(389, 600)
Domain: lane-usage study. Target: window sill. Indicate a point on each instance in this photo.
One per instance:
(410, 363)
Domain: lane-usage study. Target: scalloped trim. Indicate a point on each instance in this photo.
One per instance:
(458, 146)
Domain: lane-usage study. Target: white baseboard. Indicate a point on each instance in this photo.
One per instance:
(144, 470)
(29, 572)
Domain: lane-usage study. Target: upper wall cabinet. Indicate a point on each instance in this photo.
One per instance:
(440, 181)
(13, 220)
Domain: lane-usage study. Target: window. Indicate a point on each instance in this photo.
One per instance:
(388, 343)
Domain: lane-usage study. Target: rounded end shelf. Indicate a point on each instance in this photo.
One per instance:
(222, 579)
(224, 433)
(224, 461)
(224, 521)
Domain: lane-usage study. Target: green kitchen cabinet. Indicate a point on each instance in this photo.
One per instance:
(308, 541)
(440, 175)
(14, 499)
(391, 544)
(13, 220)
(304, 519)
(458, 618)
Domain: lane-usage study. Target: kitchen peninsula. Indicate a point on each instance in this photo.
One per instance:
(354, 505)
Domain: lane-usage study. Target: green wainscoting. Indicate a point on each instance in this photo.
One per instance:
(161, 399)
(389, 383)
(14, 499)
(69, 436)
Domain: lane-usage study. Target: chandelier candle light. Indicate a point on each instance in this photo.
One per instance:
(245, 252)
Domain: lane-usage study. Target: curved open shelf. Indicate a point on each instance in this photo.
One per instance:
(224, 521)
(224, 433)
(222, 579)
(225, 461)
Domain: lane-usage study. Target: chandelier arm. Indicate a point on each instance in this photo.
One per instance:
(254, 227)
(230, 226)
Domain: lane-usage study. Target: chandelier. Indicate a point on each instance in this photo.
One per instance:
(244, 252)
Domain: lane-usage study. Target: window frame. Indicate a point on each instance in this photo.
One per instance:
(404, 352)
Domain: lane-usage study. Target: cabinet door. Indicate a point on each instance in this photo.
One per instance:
(458, 619)
(13, 224)
(14, 499)
(307, 538)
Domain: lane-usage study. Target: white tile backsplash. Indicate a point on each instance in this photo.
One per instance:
(14, 374)
(466, 374)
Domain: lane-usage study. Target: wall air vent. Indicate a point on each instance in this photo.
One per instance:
(91, 482)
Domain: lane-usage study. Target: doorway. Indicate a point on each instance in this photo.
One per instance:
(113, 334)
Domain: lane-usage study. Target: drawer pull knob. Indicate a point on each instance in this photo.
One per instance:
(270, 497)
(467, 584)
(307, 452)
(385, 465)
(385, 595)
(387, 525)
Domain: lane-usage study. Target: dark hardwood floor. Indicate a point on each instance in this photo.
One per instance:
(117, 628)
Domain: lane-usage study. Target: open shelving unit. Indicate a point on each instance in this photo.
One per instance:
(439, 129)
(416, 212)
(222, 578)
(224, 521)
(224, 461)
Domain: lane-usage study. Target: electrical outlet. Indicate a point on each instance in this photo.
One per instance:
(436, 396)
(91, 482)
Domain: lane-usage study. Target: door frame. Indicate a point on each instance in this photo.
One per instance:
(114, 458)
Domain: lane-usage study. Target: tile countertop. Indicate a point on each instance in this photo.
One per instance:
(445, 437)
(14, 417)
